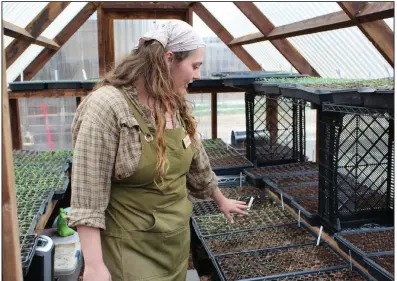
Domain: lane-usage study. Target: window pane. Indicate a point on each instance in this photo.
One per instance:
(281, 13)
(390, 23)
(345, 51)
(79, 52)
(231, 18)
(22, 62)
(268, 57)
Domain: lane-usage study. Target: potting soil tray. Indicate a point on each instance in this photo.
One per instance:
(60, 189)
(290, 180)
(364, 242)
(381, 266)
(308, 208)
(230, 165)
(345, 274)
(276, 263)
(291, 192)
(218, 224)
(28, 245)
(232, 180)
(233, 192)
(27, 225)
(209, 207)
(272, 237)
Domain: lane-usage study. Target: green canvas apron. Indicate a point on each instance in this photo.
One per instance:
(147, 234)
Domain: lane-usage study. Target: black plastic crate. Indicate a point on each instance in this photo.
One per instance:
(381, 266)
(28, 245)
(363, 245)
(280, 123)
(278, 263)
(356, 166)
(260, 239)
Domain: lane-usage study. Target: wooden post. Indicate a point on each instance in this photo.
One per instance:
(15, 124)
(105, 41)
(214, 116)
(11, 264)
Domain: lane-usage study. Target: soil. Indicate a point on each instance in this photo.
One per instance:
(301, 191)
(291, 180)
(233, 192)
(229, 161)
(280, 261)
(386, 262)
(372, 241)
(259, 239)
(284, 169)
(340, 275)
(309, 204)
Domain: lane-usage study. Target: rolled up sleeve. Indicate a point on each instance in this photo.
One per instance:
(201, 180)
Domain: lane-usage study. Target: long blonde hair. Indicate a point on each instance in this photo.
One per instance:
(148, 61)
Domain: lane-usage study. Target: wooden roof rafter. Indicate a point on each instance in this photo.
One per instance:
(377, 32)
(15, 49)
(64, 35)
(251, 11)
(225, 36)
(328, 22)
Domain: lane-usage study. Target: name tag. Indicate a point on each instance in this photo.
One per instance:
(186, 141)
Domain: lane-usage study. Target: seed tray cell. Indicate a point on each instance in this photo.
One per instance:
(209, 207)
(301, 191)
(241, 191)
(361, 243)
(345, 274)
(28, 245)
(381, 266)
(27, 225)
(217, 224)
(308, 207)
(60, 190)
(269, 264)
(273, 237)
(283, 181)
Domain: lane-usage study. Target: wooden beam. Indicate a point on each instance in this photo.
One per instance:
(20, 33)
(251, 11)
(63, 36)
(150, 14)
(225, 36)
(134, 6)
(15, 124)
(332, 21)
(189, 16)
(45, 217)
(377, 32)
(15, 49)
(11, 266)
(105, 41)
(214, 115)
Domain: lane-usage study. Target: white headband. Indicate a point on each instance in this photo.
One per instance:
(175, 36)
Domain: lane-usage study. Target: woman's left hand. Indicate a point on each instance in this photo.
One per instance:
(228, 206)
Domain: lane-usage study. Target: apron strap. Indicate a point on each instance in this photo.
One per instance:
(142, 124)
(181, 122)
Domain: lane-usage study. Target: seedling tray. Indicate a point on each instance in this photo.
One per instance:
(64, 84)
(291, 192)
(277, 263)
(345, 274)
(26, 86)
(28, 226)
(209, 207)
(268, 238)
(364, 242)
(218, 224)
(236, 192)
(60, 193)
(28, 245)
(89, 84)
(230, 165)
(291, 180)
(381, 266)
(232, 180)
(308, 207)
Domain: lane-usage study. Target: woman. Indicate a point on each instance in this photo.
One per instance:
(136, 152)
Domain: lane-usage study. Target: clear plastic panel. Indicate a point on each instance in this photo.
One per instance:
(22, 13)
(345, 53)
(390, 23)
(79, 53)
(22, 62)
(281, 13)
(269, 57)
(7, 40)
(231, 18)
(63, 19)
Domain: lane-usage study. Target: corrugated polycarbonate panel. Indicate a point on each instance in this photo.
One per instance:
(268, 57)
(390, 23)
(281, 13)
(22, 13)
(7, 40)
(63, 19)
(22, 62)
(231, 18)
(345, 53)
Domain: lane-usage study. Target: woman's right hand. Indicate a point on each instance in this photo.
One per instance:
(97, 272)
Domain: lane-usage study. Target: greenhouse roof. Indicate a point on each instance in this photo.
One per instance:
(328, 39)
